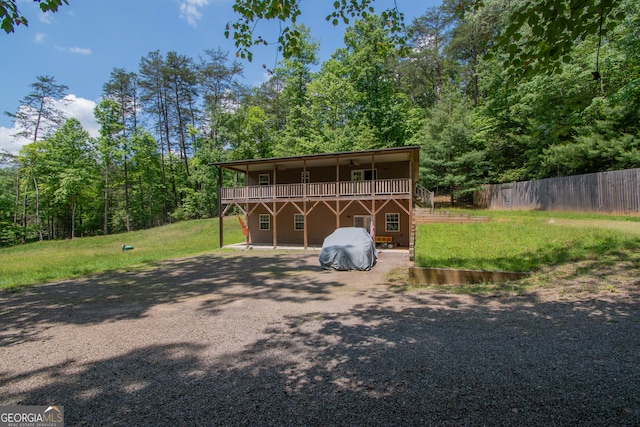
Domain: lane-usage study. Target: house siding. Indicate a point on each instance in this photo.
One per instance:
(321, 222)
(328, 173)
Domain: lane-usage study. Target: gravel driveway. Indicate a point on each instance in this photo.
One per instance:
(268, 338)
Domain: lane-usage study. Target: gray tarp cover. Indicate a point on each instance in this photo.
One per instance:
(348, 248)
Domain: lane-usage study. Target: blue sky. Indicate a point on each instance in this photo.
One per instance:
(82, 43)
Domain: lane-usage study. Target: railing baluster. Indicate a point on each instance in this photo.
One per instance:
(387, 187)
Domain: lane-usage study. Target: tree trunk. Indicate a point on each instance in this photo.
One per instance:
(173, 175)
(126, 193)
(73, 217)
(17, 204)
(24, 213)
(182, 139)
(38, 224)
(126, 172)
(106, 201)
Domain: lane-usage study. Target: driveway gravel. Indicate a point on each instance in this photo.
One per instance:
(268, 338)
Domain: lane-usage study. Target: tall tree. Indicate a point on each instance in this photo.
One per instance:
(32, 167)
(268, 96)
(220, 87)
(370, 59)
(334, 105)
(72, 160)
(425, 70)
(181, 81)
(146, 179)
(247, 133)
(471, 40)
(295, 72)
(107, 114)
(9, 186)
(37, 116)
(156, 103)
(451, 159)
(123, 88)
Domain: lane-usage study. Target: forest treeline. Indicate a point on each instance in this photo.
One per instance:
(478, 114)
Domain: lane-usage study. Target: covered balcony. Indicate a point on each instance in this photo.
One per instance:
(378, 189)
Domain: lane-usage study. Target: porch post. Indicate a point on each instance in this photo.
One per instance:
(337, 191)
(304, 202)
(246, 194)
(221, 227)
(412, 189)
(374, 177)
(275, 208)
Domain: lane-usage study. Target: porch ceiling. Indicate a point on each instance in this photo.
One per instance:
(353, 158)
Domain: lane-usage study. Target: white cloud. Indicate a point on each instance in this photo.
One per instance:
(79, 108)
(80, 50)
(190, 10)
(7, 142)
(46, 18)
(39, 37)
(75, 50)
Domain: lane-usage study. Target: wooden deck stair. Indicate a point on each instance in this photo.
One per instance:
(426, 216)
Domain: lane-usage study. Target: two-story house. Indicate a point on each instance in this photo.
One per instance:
(300, 200)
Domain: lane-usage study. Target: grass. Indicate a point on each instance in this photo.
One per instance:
(511, 241)
(49, 261)
(524, 241)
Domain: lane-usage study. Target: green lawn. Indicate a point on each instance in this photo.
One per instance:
(43, 262)
(512, 241)
(524, 241)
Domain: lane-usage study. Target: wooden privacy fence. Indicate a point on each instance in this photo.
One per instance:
(605, 192)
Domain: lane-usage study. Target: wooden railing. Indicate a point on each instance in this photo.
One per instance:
(425, 198)
(386, 187)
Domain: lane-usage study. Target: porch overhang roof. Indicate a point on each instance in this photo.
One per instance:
(360, 158)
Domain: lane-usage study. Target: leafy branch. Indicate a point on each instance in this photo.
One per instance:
(10, 16)
(251, 12)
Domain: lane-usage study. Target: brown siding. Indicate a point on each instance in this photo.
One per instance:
(321, 222)
(328, 173)
(286, 232)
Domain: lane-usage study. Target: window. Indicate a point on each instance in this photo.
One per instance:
(264, 179)
(298, 222)
(364, 174)
(265, 222)
(362, 221)
(392, 222)
(305, 177)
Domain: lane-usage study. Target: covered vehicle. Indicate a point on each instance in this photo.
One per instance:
(348, 248)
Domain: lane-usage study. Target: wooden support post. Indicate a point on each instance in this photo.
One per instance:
(275, 221)
(337, 190)
(221, 226)
(305, 185)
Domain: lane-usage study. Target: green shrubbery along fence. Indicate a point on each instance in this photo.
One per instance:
(616, 192)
